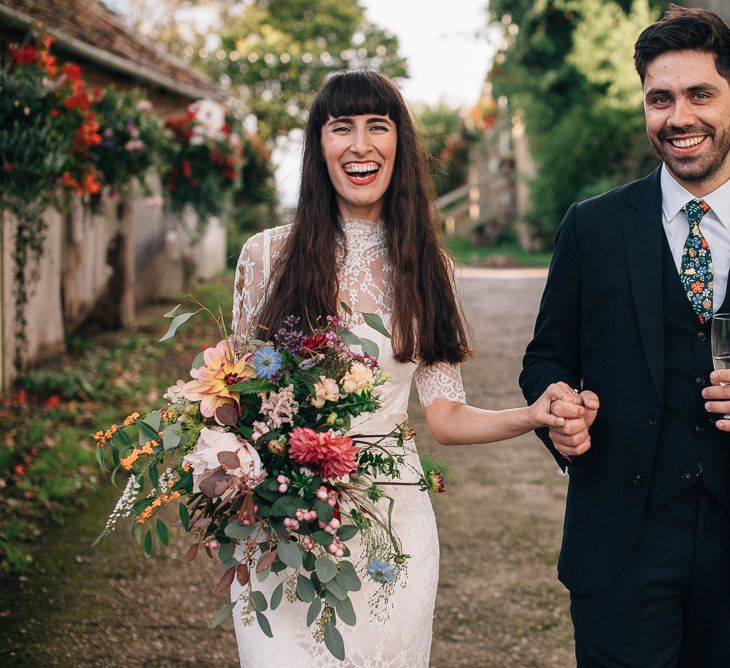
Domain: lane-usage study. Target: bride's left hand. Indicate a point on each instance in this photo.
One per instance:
(539, 412)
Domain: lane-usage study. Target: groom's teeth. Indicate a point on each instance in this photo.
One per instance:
(686, 143)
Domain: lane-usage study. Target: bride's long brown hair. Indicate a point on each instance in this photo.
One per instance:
(427, 321)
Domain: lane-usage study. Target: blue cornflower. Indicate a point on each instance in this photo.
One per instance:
(267, 362)
(380, 571)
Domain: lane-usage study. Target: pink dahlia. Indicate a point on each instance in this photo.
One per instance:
(332, 456)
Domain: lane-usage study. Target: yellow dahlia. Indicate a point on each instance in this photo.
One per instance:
(212, 380)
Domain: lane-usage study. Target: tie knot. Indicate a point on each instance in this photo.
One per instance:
(694, 210)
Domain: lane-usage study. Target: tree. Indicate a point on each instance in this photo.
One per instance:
(568, 65)
(276, 53)
(447, 141)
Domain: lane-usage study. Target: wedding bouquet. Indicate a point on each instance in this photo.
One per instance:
(256, 449)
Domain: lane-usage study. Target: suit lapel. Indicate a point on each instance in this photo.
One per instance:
(643, 241)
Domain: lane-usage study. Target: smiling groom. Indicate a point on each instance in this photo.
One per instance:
(636, 277)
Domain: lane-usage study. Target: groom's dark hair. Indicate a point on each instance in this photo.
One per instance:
(681, 28)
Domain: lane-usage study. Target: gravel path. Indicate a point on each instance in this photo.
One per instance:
(498, 605)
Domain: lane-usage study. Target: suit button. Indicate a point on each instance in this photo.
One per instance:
(701, 336)
(700, 381)
(700, 428)
(686, 475)
(653, 419)
(639, 479)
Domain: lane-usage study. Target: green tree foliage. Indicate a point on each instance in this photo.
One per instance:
(447, 141)
(276, 53)
(569, 65)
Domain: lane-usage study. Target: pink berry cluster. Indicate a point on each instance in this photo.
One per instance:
(328, 495)
(336, 548)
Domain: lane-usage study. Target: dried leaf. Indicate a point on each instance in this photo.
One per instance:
(229, 460)
(192, 552)
(226, 580)
(266, 561)
(242, 574)
(227, 414)
(215, 484)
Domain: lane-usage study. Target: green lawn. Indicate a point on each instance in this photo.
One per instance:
(466, 252)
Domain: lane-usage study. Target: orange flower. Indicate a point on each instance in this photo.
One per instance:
(698, 286)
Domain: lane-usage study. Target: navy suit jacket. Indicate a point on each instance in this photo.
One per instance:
(601, 327)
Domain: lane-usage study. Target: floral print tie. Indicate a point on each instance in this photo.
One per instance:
(696, 272)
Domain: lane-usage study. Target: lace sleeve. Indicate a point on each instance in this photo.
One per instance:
(249, 288)
(439, 381)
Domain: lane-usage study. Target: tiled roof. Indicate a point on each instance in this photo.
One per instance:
(91, 22)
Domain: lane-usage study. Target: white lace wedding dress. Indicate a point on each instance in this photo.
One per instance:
(401, 635)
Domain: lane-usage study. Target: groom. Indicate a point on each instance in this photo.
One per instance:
(626, 314)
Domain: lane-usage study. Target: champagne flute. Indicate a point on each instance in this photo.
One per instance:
(720, 337)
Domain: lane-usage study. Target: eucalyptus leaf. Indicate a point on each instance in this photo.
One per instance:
(171, 314)
(314, 609)
(235, 530)
(276, 596)
(176, 322)
(305, 589)
(258, 601)
(264, 624)
(336, 590)
(348, 581)
(290, 554)
(333, 641)
(199, 360)
(223, 613)
(346, 612)
(370, 348)
(326, 569)
(324, 511)
(346, 532)
(345, 307)
(376, 322)
(349, 338)
(225, 551)
(308, 561)
(147, 433)
(153, 420)
(171, 436)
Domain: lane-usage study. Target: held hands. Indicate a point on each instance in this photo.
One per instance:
(579, 412)
(719, 397)
(540, 413)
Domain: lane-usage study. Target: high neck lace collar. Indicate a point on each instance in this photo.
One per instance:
(360, 230)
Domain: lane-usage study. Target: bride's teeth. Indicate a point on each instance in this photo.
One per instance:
(359, 168)
(686, 143)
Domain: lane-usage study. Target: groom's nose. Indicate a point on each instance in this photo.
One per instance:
(682, 114)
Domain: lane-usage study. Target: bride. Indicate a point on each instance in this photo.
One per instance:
(365, 233)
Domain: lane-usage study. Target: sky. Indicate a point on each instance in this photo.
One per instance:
(448, 56)
(445, 44)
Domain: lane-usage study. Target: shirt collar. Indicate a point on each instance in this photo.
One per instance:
(675, 196)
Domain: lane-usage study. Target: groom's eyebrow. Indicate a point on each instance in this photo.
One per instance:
(696, 88)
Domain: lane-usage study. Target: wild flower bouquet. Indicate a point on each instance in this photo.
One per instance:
(257, 449)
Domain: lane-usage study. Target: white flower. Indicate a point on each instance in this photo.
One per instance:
(174, 393)
(211, 115)
(211, 443)
(358, 378)
(325, 390)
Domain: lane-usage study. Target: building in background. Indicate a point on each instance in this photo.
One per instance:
(103, 265)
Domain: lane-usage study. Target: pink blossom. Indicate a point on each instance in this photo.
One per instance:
(332, 456)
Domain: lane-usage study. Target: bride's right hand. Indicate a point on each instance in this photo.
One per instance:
(539, 412)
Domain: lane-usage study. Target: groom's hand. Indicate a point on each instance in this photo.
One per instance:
(573, 438)
(719, 396)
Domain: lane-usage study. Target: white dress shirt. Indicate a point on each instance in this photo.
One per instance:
(714, 227)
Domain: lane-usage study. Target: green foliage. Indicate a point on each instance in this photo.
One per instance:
(276, 53)
(447, 141)
(568, 64)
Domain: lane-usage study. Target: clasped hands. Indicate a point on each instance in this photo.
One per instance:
(568, 414)
(571, 413)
